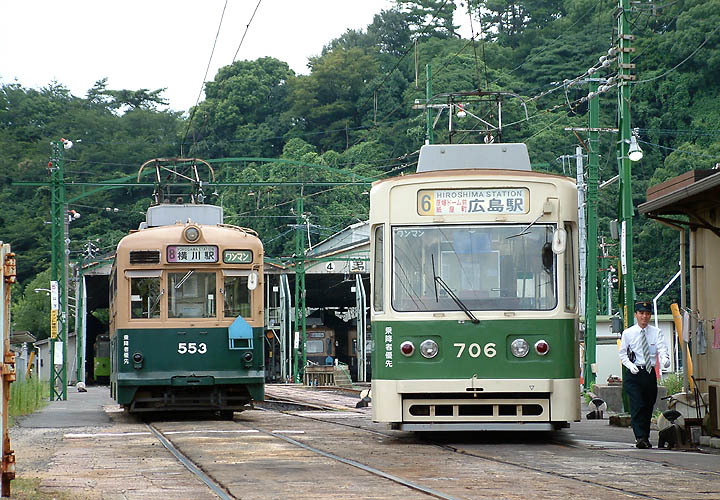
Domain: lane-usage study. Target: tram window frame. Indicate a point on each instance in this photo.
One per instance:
(378, 268)
(198, 296)
(147, 289)
(244, 308)
(420, 279)
(570, 282)
(310, 346)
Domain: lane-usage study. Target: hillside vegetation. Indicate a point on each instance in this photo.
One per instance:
(353, 115)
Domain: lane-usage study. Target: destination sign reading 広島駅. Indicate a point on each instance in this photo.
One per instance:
(473, 201)
(181, 254)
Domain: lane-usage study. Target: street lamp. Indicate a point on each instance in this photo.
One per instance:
(634, 153)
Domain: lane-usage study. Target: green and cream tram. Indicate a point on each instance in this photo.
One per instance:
(474, 284)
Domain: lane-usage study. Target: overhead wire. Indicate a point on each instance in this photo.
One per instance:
(207, 70)
(247, 27)
(681, 62)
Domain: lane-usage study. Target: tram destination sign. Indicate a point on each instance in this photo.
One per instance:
(181, 254)
(473, 201)
(237, 256)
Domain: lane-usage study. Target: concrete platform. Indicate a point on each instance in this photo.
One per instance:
(81, 409)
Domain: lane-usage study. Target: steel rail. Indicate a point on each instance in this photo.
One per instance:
(189, 465)
(559, 442)
(361, 466)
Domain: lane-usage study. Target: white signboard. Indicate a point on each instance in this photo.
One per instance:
(54, 296)
(58, 358)
(473, 201)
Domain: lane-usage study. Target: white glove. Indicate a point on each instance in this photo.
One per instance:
(633, 369)
(666, 362)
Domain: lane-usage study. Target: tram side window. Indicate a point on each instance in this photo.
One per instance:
(191, 295)
(237, 297)
(569, 271)
(145, 298)
(378, 270)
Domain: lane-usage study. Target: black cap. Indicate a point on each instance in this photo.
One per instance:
(643, 306)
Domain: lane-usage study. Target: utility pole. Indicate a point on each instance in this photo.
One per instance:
(429, 110)
(624, 133)
(592, 236)
(300, 340)
(58, 327)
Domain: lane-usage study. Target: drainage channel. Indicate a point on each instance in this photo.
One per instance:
(189, 465)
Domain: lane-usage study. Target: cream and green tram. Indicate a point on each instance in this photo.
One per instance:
(474, 283)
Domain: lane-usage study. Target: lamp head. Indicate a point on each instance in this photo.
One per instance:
(634, 153)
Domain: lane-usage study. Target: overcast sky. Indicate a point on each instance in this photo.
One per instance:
(163, 43)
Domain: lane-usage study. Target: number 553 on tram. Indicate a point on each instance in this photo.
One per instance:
(474, 283)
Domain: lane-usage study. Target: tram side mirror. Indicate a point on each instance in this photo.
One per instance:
(547, 257)
(252, 280)
(559, 241)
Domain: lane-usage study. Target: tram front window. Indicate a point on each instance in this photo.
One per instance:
(145, 298)
(487, 268)
(237, 297)
(191, 295)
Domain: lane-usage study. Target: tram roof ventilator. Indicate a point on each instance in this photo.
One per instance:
(168, 214)
(510, 156)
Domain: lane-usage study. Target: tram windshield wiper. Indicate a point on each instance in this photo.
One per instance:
(439, 281)
(526, 230)
(180, 283)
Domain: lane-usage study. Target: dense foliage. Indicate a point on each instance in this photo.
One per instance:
(352, 119)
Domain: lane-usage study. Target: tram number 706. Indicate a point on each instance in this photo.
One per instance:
(474, 350)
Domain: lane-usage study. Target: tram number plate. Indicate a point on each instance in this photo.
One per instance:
(474, 350)
(192, 348)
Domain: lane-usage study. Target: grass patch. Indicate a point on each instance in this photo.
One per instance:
(27, 396)
(28, 489)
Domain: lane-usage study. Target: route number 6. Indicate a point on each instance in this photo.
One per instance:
(474, 350)
(192, 348)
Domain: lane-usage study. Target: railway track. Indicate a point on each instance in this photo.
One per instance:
(295, 449)
(555, 467)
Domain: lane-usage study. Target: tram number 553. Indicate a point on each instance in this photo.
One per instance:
(474, 350)
(192, 348)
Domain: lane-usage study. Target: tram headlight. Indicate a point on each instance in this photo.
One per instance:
(429, 348)
(519, 348)
(248, 357)
(191, 234)
(542, 347)
(407, 348)
(137, 360)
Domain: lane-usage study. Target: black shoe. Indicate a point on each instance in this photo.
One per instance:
(643, 444)
(648, 443)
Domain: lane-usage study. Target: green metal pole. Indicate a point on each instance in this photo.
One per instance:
(58, 374)
(300, 325)
(79, 324)
(626, 207)
(592, 239)
(429, 139)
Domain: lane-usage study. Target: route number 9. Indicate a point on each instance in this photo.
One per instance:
(474, 350)
(192, 348)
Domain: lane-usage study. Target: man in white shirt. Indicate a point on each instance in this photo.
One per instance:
(641, 346)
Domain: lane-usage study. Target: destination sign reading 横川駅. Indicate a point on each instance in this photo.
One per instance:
(180, 254)
(473, 201)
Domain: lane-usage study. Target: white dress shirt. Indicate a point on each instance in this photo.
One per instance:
(656, 343)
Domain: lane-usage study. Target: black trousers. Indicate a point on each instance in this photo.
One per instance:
(641, 389)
